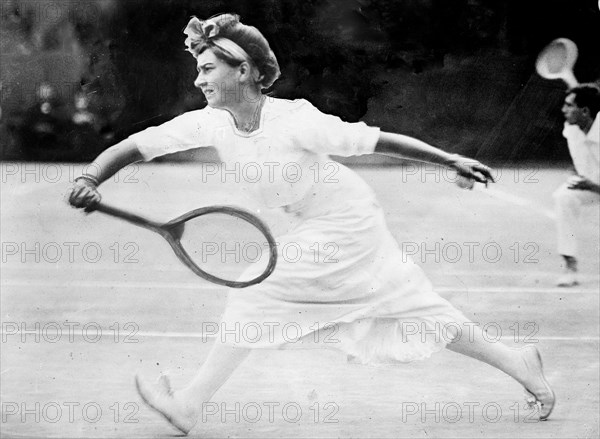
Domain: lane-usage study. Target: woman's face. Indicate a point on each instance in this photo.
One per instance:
(220, 82)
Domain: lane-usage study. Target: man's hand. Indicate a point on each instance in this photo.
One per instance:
(84, 193)
(577, 182)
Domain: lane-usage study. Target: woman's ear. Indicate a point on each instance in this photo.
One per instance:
(245, 70)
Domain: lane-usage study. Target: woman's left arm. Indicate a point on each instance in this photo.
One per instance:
(405, 147)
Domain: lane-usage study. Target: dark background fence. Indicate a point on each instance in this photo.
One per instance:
(78, 76)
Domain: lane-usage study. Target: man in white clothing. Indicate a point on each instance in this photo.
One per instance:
(582, 128)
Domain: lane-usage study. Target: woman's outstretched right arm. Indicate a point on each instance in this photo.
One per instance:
(85, 190)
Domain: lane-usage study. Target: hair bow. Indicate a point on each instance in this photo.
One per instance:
(199, 31)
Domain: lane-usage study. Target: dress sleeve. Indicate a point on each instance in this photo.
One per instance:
(329, 134)
(187, 131)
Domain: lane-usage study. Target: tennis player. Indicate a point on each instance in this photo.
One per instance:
(582, 130)
(383, 308)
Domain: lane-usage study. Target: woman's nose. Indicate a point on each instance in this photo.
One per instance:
(200, 81)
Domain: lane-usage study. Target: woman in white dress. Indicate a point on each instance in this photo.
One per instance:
(377, 301)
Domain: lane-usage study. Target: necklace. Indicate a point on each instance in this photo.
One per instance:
(253, 123)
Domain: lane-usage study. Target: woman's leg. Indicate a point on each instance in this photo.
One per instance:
(182, 408)
(524, 365)
(473, 344)
(222, 361)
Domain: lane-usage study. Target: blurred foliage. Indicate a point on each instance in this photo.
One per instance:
(449, 71)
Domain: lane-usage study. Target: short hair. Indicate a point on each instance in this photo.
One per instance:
(587, 95)
(247, 37)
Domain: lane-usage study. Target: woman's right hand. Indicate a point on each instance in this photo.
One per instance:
(84, 193)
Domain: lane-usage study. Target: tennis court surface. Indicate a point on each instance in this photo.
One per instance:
(88, 300)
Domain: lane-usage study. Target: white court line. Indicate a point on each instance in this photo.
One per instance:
(176, 268)
(203, 336)
(432, 274)
(204, 286)
(210, 336)
(89, 266)
(505, 273)
(526, 290)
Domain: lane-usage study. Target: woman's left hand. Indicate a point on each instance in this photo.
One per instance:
(471, 169)
(577, 182)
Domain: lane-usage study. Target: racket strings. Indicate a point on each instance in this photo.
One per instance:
(557, 59)
(226, 246)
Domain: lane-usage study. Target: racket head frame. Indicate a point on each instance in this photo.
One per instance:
(566, 71)
(172, 232)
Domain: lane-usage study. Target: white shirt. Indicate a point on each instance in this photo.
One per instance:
(286, 159)
(585, 149)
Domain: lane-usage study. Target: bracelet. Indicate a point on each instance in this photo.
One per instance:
(89, 178)
(453, 158)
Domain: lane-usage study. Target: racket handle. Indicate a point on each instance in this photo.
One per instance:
(127, 216)
(569, 79)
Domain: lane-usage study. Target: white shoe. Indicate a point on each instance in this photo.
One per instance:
(160, 398)
(569, 279)
(543, 396)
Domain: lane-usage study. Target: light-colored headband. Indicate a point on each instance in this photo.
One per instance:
(208, 30)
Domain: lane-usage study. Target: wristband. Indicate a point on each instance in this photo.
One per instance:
(89, 178)
(452, 159)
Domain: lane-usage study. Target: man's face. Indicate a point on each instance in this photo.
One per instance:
(574, 115)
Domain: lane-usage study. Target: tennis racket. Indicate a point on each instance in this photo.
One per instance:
(556, 61)
(222, 244)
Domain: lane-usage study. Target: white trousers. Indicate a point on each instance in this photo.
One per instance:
(567, 205)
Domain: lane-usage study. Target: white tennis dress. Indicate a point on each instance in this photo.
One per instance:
(342, 281)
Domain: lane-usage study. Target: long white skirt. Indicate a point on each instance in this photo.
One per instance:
(342, 282)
